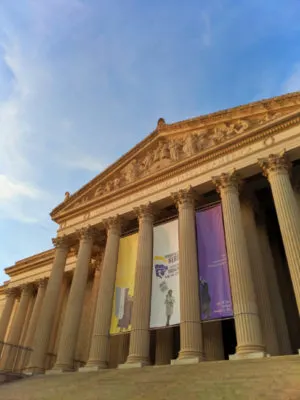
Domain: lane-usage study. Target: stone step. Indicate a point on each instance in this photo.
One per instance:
(275, 378)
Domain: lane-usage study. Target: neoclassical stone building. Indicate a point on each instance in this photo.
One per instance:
(56, 308)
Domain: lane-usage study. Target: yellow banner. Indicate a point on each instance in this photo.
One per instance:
(124, 285)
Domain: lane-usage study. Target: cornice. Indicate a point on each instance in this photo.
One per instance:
(190, 163)
(239, 111)
(3, 288)
(31, 263)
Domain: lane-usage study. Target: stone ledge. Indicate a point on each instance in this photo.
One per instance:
(186, 361)
(93, 368)
(248, 356)
(132, 365)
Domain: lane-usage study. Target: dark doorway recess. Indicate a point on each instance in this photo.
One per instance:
(176, 342)
(229, 337)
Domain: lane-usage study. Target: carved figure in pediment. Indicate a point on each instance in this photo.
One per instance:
(147, 161)
(240, 126)
(190, 145)
(116, 183)
(157, 152)
(164, 152)
(108, 187)
(131, 171)
(99, 191)
(269, 117)
(219, 133)
(174, 148)
(202, 141)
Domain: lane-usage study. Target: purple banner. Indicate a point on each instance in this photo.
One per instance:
(215, 294)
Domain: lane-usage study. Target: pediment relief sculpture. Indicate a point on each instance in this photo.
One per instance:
(169, 150)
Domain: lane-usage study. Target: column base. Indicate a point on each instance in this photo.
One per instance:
(93, 368)
(34, 371)
(187, 360)
(138, 364)
(248, 356)
(58, 369)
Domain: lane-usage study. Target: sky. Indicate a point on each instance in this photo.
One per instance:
(83, 81)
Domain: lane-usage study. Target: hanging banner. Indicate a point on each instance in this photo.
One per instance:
(215, 293)
(165, 306)
(124, 285)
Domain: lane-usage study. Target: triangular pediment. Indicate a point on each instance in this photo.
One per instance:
(171, 144)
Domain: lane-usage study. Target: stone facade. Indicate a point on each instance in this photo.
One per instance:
(56, 307)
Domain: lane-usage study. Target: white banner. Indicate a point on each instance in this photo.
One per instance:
(165, 306)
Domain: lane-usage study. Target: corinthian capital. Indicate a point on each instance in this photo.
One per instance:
(184, 198)
(11, 292)
(42, 282)
(27, 289)
(113, 225)
(61, 242)
(275, 163)
(87, 233)
(229, 181)
(144, 212)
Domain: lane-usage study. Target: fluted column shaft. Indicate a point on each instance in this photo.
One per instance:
(139, 336)
(49, 307)
(275, 297)
(33, 320)
(213, 341)
(16, 328)
(164, 346)
(259, 277)
(98, 357)
(58, 322)
(247, 323)
(191, 340)
(70, 328)
(94, 294)
(276, 168)
(11, 295)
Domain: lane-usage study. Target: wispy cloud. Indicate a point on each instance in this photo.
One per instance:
(82, 82)
(292, 82)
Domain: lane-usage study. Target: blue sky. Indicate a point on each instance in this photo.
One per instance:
(82, 81)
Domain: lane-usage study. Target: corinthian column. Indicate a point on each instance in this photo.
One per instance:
(70, 328)
(247, 323)
(49, 308)
(191, 341)
(11, 295)
(259, 276)
(276, 169)
(98, 357)
(34, 319)
(139, 336)
(16, 329)
(275, 297)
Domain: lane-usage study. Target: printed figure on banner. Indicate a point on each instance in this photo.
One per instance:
(214, 284)
(124, 285)
(123, 308)
(165, 302)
